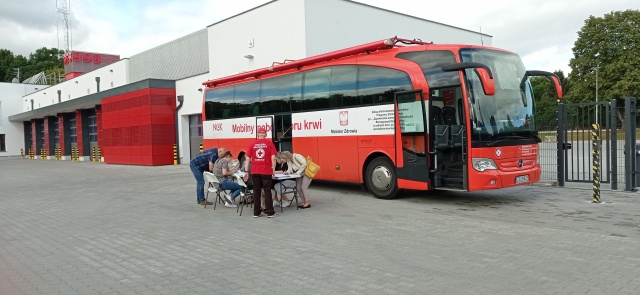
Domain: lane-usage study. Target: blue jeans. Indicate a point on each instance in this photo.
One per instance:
(232, 186)
(197, 173)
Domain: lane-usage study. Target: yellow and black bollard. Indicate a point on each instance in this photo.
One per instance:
(175, 154)
(30, 154)
(595, 136)
(99, 154)
(42, 156)
(201, 148)
(73, 154)
(21, 153)
(93, 154)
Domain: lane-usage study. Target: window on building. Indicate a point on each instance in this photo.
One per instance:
(93, 127)
(56, 132)
(42, 136)
(72, 130)
(3, 145)
(195, 125)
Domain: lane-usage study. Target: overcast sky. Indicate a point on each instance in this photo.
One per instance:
(542, 32)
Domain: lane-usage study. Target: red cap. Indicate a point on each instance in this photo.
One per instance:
(262, 130)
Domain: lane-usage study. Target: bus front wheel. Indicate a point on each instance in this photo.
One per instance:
(381, 178)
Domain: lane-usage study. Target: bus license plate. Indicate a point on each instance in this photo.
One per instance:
(523, 178)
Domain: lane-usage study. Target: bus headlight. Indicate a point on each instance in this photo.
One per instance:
(481, 164)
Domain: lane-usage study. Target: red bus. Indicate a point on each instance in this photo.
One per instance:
(392, 114)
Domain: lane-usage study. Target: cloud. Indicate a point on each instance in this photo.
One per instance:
(542, 32)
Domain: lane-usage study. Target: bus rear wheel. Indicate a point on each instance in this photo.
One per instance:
(381, 178)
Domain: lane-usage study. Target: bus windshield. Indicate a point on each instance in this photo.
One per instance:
(506, 118)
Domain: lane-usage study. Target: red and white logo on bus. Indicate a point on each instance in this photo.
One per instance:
(344, 118)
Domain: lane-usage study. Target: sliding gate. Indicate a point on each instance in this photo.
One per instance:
(581, 128)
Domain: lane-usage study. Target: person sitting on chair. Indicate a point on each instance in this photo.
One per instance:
(225, 176)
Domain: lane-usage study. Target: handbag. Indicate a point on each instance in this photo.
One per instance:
(312, 168)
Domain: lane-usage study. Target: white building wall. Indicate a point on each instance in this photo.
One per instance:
(277, 30)
(336, 24)
(111, 76)
(11, 100)
(192, 105)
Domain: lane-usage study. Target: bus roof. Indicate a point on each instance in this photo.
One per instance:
(287, 65)
(380, 45)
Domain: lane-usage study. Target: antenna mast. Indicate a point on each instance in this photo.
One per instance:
(64, 9)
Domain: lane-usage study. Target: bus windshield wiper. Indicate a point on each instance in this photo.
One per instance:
(532, 133)
(505, 138)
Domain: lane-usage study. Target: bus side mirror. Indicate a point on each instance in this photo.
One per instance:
(488, 84)
(552, 77)
(483, 72)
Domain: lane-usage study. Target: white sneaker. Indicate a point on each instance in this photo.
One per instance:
(276, 203)
(229, 205)
(286, 203)
(241, 194)
(228, 198)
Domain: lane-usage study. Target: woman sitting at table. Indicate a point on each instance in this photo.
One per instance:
(276, 185)
(225, 177)
(296, 164)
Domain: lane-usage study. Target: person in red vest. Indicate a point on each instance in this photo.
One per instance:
(261, 154)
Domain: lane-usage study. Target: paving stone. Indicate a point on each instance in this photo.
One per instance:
(91, 228)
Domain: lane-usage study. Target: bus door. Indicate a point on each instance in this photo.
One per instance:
(411, 109)
(282, 129)
(266, 122)
(448, 138)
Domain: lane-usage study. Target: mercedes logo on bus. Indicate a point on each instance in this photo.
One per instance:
(519, 162)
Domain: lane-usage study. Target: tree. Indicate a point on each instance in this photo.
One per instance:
(6, 72)
(43, 60)
(546, 100)
(609, 45)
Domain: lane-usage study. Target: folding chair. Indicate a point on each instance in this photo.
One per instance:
(213, 185)
(247, 193)
(288, 190)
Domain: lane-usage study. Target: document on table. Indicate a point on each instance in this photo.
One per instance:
(277, 175)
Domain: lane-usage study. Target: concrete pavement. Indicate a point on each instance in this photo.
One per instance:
(91, 228)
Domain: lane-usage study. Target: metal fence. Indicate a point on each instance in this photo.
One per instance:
(617, 135)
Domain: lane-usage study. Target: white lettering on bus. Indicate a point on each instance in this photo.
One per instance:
(244, 128)
(308, 125)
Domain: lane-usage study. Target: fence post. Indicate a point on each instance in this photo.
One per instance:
(614, 143)
(630, 143)
(560, 138)
(596, 161)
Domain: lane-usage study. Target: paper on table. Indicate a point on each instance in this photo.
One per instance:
(279, 175)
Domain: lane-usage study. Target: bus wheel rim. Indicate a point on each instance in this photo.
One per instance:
(381, 178)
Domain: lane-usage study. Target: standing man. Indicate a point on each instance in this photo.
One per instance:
(201, 163)
(261, 154)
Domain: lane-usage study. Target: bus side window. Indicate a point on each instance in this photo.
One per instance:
(377, 84)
